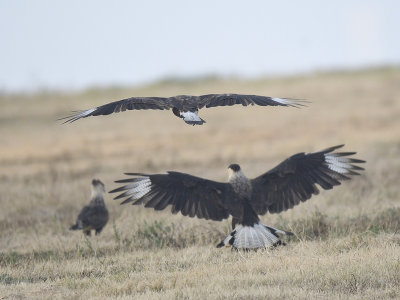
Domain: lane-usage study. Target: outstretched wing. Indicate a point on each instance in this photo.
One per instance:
(182, 102)
(134, 103)
(295, 179)
(190, 195)
(213, 100)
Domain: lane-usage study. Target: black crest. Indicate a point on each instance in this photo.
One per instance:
(234, 167)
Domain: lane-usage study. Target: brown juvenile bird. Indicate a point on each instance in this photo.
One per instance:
(95, 215)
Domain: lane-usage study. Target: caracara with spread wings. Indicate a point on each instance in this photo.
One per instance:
(183, 106)
(293, 181)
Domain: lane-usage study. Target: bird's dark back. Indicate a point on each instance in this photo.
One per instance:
(95, 214)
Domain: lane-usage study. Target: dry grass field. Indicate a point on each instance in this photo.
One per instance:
(346, 243)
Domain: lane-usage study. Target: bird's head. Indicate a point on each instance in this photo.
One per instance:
(233, 169)
(98, 186)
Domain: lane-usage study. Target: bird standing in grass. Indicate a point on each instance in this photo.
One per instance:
(291, 182)
(183, 106)
(93, 216)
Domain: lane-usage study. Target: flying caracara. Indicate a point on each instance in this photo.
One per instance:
(95, 215)
(183, 106)
(291, 182)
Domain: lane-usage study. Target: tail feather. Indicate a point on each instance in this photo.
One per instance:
(192, 118)
(74, 227)
(278, 231)
(253, 237)
(190, 122)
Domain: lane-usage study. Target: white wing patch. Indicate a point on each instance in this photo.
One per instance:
(288, 102)
(337, 163)
(82, 114)
(139, 188)
(85, 113)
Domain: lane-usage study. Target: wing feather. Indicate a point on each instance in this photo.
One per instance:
(183, 103)
(213, 100)
(134, 103)
(295, 180)
(190, 195)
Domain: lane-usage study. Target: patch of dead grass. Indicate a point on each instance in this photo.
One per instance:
(347, 240)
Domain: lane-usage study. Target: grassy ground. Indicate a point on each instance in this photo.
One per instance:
(347, 241)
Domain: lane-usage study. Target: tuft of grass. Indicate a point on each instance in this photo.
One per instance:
(117, 235)
(156, 234)
(322, 226)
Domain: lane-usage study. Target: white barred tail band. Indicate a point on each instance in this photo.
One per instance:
(253, 237)
(192, 118)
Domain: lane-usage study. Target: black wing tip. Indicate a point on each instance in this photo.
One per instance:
(120, 196)
(131, 179)
(356, 161)
(78, 114)
(338, 154)
(125, 201)
(220, 245)
(358, 168)
(120, 189)
(288, 233)
(74, 227)
(137, 174)
(68, 119)
(333, 148)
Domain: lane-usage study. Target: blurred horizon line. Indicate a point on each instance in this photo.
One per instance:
(199, 78)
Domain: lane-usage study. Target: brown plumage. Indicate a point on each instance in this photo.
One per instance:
(93, 216)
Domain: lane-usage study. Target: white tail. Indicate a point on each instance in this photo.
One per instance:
(253, 237)
(192, 118)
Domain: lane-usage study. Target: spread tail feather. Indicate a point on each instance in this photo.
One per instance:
(253, 237)
(192, 118)
(278, 231)
(190, 122)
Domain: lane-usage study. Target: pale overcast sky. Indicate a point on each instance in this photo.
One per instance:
(77, 44)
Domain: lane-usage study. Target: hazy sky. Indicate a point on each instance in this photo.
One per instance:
(76, 44)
